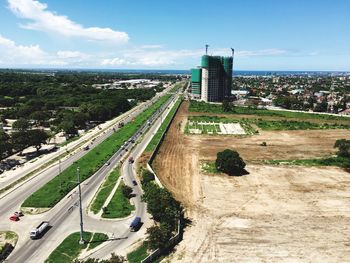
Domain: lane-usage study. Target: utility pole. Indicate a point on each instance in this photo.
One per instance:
(81, 241)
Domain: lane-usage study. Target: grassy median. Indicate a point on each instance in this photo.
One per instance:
(119, 206)
(156, 138)
(105, 190)
(52, 192)
(70, 248)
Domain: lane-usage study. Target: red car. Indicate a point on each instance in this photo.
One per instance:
(14, 218)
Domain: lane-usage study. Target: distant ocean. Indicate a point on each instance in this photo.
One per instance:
(187, 72)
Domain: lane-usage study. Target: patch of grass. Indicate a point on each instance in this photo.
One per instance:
(197, 106)
(211, 128)
(97, 239)
(138, 254)
(156, 138)
(51, 193)
(105, 190)
(119, 206)
(210, 167)
(329, 161)
(69, 249)
(296, 125)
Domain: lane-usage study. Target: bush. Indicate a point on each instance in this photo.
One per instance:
(229, 162)
(147, 177)
(263, 144)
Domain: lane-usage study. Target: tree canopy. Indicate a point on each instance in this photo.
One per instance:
(229, 162)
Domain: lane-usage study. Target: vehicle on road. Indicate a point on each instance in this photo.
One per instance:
(134, 182)
(120, 124)
(39, 230)
(18, 214)
(108, 163)
(86, 148)
(131, 159)
(135, 224)
(14, 218)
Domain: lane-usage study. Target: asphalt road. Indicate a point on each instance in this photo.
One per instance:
(64, 213)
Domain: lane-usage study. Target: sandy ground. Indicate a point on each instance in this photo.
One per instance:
(273, 214)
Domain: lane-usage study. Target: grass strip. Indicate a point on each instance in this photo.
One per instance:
(51, 193)
(138, 254)
(342, 162)
(97, 239)
(105, 190)
(156, 138)
(119, 206)
(69, 249)
(196, 106)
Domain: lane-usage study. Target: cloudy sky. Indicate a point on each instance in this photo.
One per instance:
(154, 34)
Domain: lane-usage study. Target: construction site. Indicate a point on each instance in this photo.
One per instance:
(275, 213)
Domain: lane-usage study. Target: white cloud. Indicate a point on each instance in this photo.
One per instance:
(67, 54)
(263, 52)
(12, 53)
(152, 46)
(48, 21)
(113, 62)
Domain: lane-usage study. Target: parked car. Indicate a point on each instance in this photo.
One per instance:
(108, 163)
(134, 182)
(14, 218)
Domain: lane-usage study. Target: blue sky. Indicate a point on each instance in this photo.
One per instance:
(153, 34)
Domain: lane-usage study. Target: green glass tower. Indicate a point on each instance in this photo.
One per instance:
(215, 76)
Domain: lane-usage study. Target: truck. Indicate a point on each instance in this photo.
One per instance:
(39, 230)
(131, 160)
(135, 224)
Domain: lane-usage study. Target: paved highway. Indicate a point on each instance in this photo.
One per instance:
(64, 217)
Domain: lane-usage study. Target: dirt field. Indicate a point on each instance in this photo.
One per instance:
(274, 214)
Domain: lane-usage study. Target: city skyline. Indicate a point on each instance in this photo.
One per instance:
(267, 35)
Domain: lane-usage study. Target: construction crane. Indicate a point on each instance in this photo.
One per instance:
(233, 52)
(206, 49)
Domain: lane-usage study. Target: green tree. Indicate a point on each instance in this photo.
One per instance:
(147, 177)
(21, 125)
(343, 146)
(158, 236)
(20, 140)
(127, 191)
(229, 162)
(40, 117)
(37, 138)
(5, 143)
(68, 127)
(227, 106)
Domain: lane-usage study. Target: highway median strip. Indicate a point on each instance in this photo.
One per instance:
(52, 192)
(119, 206)
(70, 248)
(104, 191)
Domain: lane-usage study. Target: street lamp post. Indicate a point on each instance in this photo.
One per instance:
(81, 241)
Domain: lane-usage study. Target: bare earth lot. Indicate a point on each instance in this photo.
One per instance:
(274, 214)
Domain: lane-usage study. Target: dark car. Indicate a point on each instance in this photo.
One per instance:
(134, 182)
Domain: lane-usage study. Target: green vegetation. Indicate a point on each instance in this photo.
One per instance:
(296, 125)
(105, 190)
(97, 239)
(343, 162)
(69, 249)
(210, 167)
(155, 140)
(229, 162)
(164, 209)
(119, 206)
(138, 254)
(197, 106)
(246, 124)
(343, 148)
(51, 193)
(212, 126)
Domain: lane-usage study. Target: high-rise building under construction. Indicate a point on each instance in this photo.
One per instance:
(212, 81)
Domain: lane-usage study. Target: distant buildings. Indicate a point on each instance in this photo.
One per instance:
(212, 81)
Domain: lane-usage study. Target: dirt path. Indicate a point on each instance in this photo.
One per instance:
(274, 214)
